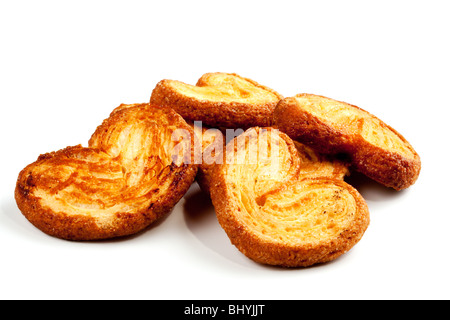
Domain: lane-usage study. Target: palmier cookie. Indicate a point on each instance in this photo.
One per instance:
(128, 177)
(332, 127)
(219, 100)
(277, 215)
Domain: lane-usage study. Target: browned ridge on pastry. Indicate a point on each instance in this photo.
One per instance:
(219, 100)
(127, 178)
(333, 127)
(212, 142)
(278, 211)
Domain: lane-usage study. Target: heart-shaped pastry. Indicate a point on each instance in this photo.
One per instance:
(219, 100)
(130, 175)
(332, 127)
(278, 211)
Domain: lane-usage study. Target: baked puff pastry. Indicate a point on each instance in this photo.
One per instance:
(332, 127)
(277, 210)
(219, 100)
(130, 175)
(212, 142)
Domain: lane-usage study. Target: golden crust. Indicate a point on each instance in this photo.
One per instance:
(219, 100)
(277, 215)
(124, 181)
(315, 165)
(334, 127)
(212, 143)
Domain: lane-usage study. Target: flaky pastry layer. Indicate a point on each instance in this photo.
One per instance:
(279, 213)
(334, 127)
(212, 142)
(219, 100)
(126, 179)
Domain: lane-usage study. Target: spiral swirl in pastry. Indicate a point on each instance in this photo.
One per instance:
(278, 211)
(331, 127)
(128, 177)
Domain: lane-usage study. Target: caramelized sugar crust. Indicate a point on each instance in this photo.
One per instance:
(278, 210)
(125, 180)
(333, 127)
(317, 165)
(212, 146)
(219, 100)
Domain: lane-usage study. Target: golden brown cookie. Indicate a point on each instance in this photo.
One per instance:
(334, 127)
(276, 210)
(219, 100)
(130, 175)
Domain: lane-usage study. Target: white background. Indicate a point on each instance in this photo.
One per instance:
(65, 65)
